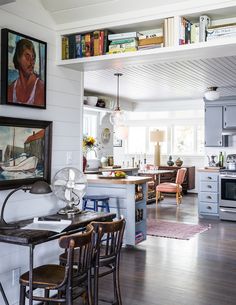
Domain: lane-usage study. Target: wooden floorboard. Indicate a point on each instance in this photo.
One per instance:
(164, 271)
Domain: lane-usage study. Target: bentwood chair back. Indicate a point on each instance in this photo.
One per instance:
(64, 278)
(176, 187)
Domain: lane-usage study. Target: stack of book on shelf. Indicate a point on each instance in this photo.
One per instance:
(123, 42)
(221, 31)
(84, 45)
(138, 236)
(150, 42)
(169, 33)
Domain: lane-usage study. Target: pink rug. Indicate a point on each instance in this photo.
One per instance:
(171, 229)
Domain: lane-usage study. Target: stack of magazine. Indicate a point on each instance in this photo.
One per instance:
(48, 224)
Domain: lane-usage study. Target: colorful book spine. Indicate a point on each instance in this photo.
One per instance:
(194, 33)
(96, 43)
(123, 41)
(88, 45)
(105, 42)
(112, 37)
(78, 45)
(101, 42)
(65, 47)
(72, 46)
(83, 45)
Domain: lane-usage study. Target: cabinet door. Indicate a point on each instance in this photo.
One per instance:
(230, 116)
(213, 125)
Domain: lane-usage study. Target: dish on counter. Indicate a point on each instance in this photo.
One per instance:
(113, 175)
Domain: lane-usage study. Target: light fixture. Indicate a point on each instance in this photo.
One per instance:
(211, 94)
(117, 117)
(157, 136)
(39, 187)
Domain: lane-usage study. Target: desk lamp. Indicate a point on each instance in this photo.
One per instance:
(157, 136)
(39, 187)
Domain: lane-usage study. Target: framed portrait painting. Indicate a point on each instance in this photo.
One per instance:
(25, 151)
(23, 70)
(117, 142)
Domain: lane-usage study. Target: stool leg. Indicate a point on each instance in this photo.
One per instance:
(107, 206)
(22, 294)
(84, 204)
(96, 205)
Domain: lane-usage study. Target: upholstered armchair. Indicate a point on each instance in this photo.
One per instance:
(176, 187)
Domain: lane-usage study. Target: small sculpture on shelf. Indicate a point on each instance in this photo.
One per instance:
(178, 162)
(170, 162)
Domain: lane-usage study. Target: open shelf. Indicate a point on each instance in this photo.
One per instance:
(202, 50)
(97, 109)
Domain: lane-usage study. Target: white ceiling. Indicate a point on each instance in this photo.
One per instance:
(182, 80)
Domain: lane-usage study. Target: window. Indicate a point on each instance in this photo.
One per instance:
(200, 139)
(183, 139)
(137, 140)
(90, 125)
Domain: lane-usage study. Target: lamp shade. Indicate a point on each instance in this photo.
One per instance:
(157, 136)
(40, 187)
(211, 94)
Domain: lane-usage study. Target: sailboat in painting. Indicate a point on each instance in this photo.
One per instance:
(22, 163)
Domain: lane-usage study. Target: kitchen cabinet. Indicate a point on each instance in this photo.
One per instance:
(213, 126)
(208, 194)
(230, 117)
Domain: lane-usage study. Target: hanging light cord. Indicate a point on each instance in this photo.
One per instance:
(118, 90)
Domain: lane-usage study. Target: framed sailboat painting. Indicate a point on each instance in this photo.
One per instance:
(25, 151)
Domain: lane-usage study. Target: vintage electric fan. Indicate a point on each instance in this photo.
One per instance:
(69, 184)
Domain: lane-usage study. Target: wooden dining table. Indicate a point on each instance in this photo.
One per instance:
(31, 237)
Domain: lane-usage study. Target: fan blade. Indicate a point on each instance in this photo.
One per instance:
(71, 175)
(79, 186)
(59, 182)
(68, 194)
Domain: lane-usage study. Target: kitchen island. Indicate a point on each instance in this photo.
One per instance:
(128, 197)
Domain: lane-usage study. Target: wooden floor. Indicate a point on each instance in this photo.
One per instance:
(164, 271)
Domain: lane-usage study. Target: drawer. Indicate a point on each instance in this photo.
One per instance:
(209, 176)
(209, 186)
(209, 197)
(208, 208)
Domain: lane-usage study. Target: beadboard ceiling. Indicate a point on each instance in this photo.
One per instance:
(185, 80)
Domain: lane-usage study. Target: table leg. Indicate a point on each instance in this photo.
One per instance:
(31, 266)
(3, 294)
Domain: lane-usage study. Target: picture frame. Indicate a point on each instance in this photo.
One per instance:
(117, 142)
(25, 151)
(23, 70)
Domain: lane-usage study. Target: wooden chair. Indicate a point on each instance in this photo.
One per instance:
(108, 238)
(176, 187)
(64, 278)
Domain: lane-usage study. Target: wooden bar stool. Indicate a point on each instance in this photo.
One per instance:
(108, 238)
(98, 201)
(64, 278)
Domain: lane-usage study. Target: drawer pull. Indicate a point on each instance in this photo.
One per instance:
(209, 197)
(209, 186)
(209, 178)
(209, 207)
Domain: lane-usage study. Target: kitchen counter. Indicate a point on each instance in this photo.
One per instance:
(128, 180)
(209, 169)
(111, 169)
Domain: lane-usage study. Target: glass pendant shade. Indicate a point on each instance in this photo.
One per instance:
(211, 94)
(117, 117)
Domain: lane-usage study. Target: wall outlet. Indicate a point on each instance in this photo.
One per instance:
(15, 276)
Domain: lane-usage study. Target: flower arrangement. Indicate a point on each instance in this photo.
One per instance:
(89, 144)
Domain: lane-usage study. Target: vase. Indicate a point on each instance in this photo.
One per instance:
(178, 162)
(84, 163)
(170, 162)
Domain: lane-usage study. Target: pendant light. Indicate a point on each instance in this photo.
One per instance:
(117, 117)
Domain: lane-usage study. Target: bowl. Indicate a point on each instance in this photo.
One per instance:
(106, 174)
(92, 100)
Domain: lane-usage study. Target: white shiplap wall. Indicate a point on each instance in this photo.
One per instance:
(64, 92)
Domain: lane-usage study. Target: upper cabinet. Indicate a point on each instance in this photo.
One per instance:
(213, 126)
(180, 34)
(230, 117)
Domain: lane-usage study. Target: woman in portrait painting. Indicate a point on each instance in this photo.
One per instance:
(28, 88)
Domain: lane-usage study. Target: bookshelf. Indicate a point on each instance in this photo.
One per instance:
(219, 14)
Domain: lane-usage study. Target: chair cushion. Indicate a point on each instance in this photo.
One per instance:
(168, 187)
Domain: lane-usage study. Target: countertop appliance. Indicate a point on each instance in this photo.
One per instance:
(227, 208)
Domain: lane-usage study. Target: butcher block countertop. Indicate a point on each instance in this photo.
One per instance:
(98, 179)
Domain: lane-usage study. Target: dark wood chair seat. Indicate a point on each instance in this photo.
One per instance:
(64, 278)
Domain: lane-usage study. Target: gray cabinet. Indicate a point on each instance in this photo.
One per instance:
(208, 194)
(213, 126)
(230, 117)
